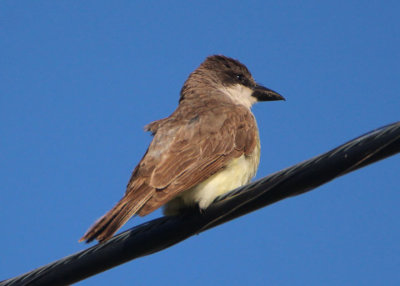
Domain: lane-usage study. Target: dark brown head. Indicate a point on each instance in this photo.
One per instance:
(230, 76)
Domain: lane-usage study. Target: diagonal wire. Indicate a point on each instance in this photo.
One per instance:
(164, 232)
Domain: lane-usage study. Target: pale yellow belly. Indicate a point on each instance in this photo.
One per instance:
(237, 173)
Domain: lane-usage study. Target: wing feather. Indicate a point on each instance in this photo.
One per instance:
(198, 150)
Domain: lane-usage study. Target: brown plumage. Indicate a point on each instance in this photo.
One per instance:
(199, 139)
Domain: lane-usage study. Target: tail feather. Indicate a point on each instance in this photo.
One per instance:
(104, 228)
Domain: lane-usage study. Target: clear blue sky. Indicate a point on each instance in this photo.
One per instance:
(80, 79)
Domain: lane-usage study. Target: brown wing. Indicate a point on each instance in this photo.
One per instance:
(198, 149)
(187, 148)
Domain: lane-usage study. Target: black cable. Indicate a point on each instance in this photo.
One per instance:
(164, 232)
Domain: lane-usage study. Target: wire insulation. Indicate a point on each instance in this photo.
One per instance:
(164, 232)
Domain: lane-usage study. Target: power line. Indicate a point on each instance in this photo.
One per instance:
(164, 232)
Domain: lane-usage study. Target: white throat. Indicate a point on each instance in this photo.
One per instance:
(240, 94)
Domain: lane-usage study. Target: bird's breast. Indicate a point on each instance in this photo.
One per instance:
(238, 172)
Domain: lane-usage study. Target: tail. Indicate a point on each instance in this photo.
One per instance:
(104, 228)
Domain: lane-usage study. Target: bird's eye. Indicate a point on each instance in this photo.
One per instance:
(240, 77)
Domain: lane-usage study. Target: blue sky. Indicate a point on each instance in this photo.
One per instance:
(80, 79)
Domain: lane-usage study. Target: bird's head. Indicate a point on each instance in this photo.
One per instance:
(232, 78)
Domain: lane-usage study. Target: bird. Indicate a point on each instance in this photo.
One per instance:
(207, 147)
